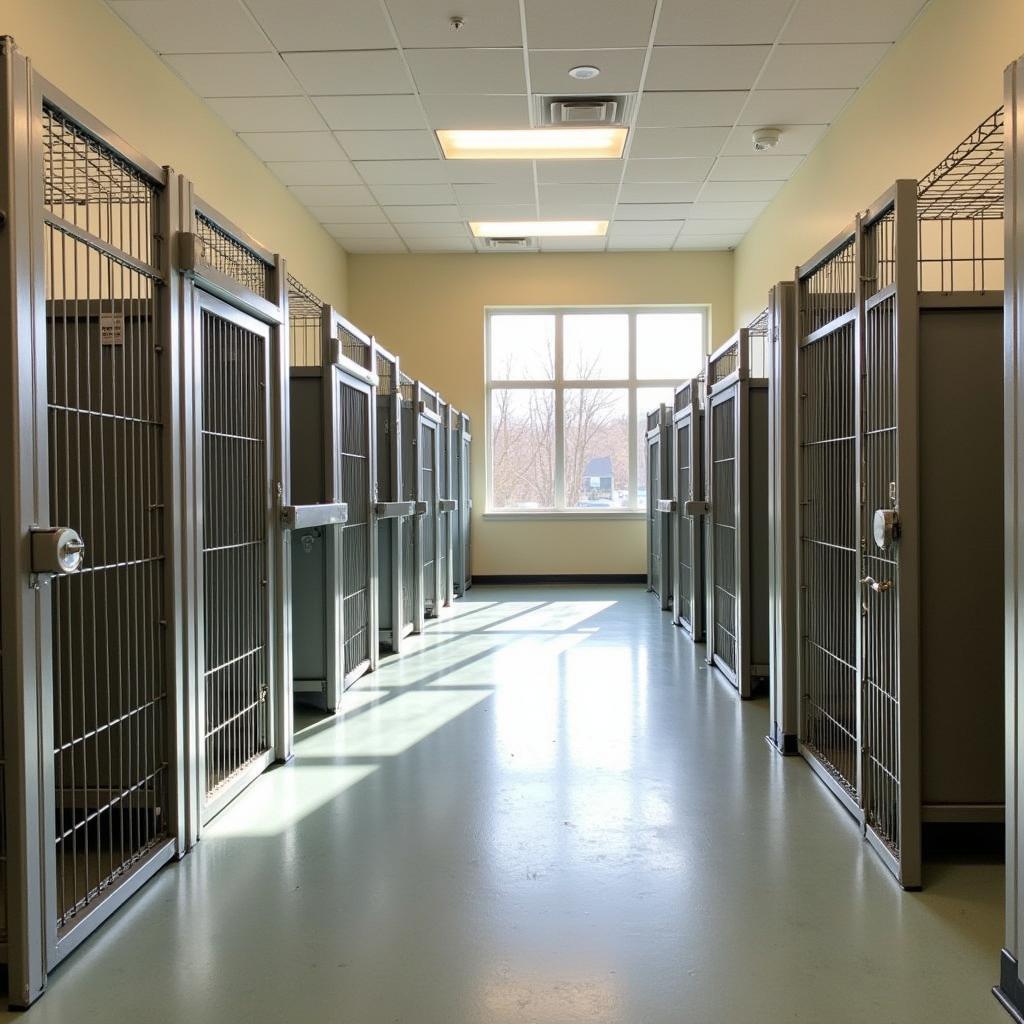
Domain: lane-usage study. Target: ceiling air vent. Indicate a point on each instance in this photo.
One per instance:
(507, 244)
(585, 110)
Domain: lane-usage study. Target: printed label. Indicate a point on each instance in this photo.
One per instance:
(111, 328)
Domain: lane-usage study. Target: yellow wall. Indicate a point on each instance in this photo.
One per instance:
(941, 80)
(430, 311)
(89, 53)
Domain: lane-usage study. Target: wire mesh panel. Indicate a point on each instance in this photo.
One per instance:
(724, 524)
(106, 437)
(653, 516)
(444, 492)
(827, 433)
(305, 325)
(684, 537)
(234, 545)
(229, 256)
(354, 467)
(428, 522)
(880, 620)
(410, 492)
(466, 504)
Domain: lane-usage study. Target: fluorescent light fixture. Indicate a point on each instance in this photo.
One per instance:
(532, 143)
(538, 228)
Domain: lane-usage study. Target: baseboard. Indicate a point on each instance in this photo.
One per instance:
(554, 578)
(1010, 991)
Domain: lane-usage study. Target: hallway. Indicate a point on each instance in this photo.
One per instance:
(548, 812)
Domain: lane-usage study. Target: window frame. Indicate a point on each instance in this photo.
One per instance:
(560, 384)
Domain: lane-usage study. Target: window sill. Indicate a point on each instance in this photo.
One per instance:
(551, 516)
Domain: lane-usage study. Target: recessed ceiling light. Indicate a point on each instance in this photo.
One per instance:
(538, 228)
(532, 143)
(584, 72)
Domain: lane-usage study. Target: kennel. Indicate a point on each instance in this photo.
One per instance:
(447, 505)
(658, 439)
(390, 510)
(900, 380)
(93, 764)
(688, 514)
(1010, 989)
(462, 576)
(783, 518)
(421, 439)
(736, 564)
(333, 461)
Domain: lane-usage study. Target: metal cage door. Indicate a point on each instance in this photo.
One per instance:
(237, 509)
(726, 475)
(445, 564)
(410, 581)
(349, 451)
(429, 527)
(687, 603)
(890, 723)
(654, 539)
(465, 512)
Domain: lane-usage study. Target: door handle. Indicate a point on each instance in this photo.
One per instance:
(878, 586)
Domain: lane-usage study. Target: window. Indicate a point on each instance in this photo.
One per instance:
(568, 392)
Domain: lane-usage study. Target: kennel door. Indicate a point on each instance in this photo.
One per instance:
(237, 507)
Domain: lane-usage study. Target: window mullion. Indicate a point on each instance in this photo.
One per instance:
(559, 417)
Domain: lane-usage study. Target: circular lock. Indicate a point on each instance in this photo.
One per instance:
(69, 549)
(885, 527)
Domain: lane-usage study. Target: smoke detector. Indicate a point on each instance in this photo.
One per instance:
(766, 138)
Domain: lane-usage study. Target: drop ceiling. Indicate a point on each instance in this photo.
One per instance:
(341, 98)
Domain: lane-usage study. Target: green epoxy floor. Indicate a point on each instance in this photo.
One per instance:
(549, 812)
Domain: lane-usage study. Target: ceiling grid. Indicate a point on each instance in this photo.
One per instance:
(341, 98)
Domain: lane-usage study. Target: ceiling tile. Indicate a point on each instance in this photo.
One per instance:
(660, 192)
(425, 23)
(348, 214)
(490, 193)
(829, 66)
(579, 172)
(620, 71)
(293, 145)
(838, 21)
(721, 21)
(763, 167)
(645, 228)
(193, 26)
(383, 145)
(660, 243)
(706, 242)
(564, 209)
(572, 244)
(441, 245)
(401, 172)
(333, 195)
(739, 191)
(795, 106)
(414, 195)
(323, 24)
(370, 246)
(477, 111)
(498, 211)
(667, 170)
(432, 231)
(370, 113)
(717, 227)
(357, 230)
(429, 214)
(678, 142)
(726, 211)
(797, 140)
(579, 24)
(315, 172)
(350, 73)
(578, 193)
(627, 212)
(235, 74)
(704, 67)
(468, 71)
(690, 109)
(268, 113)
(483, 172)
